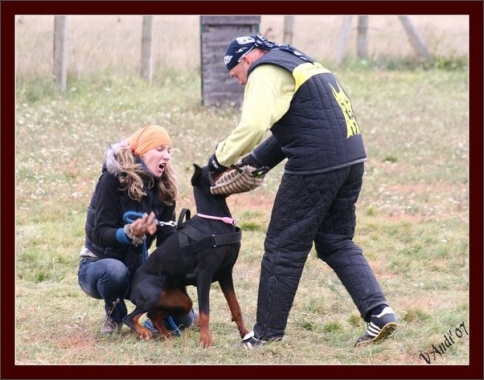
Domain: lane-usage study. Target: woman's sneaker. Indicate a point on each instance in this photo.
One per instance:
(110, 326)
(379, 328)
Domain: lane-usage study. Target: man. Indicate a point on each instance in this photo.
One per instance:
(313, 126)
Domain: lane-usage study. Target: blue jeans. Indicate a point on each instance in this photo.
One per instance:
(109, 280)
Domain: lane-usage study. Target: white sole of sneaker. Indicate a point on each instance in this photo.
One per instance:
(385, 332)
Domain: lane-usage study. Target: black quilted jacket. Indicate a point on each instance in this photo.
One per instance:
(319, 132)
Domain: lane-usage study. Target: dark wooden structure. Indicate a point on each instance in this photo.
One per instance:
(215, 34)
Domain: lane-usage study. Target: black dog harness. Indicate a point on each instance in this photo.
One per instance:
(191, 241)
(202, 241)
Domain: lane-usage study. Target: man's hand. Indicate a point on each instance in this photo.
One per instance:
(250, 160)
(215, 167)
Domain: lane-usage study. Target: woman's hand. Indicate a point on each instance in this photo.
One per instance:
(145, 224)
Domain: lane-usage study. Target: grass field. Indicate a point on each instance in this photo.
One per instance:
(413, 221)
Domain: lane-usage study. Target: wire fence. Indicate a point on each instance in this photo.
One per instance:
(101, 43)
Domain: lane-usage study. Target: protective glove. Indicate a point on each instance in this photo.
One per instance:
(215, 167)
(239, 179)
(249, 160)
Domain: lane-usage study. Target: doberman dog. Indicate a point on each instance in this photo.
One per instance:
(203, 249)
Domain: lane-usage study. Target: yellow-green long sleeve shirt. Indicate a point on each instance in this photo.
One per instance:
(267, 97)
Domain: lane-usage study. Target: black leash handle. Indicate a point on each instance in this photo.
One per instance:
(185, 214)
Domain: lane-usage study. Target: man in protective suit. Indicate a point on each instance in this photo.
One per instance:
(313, 126)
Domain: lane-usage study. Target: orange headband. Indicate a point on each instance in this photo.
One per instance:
(147, 138)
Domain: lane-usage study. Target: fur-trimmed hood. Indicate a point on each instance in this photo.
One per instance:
(111, 163)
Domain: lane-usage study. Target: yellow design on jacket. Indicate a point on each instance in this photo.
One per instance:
(305, 71)
(352, 126)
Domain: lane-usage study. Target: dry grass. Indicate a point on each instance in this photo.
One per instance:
(99, 43)
(413, 212)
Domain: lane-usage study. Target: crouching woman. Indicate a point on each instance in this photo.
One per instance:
(137, 179)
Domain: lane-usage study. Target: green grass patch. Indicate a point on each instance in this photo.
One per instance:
(412, 219)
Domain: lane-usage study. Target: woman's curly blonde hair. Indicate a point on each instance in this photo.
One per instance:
(134, 173)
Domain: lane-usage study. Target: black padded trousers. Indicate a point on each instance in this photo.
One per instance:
(309, 209)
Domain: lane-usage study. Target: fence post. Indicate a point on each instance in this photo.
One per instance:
(361, 38)
(414, 38)
(146, 70)
(288, 29)
(342, 39)
(60, 51)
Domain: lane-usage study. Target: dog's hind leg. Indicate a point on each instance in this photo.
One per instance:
(157, 317)
(174, 302)
(227, 286)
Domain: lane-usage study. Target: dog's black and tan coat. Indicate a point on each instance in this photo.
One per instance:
(201, 251)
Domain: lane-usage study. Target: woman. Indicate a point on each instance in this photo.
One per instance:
(137, 179)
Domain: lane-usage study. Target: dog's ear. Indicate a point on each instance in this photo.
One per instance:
(196, 175)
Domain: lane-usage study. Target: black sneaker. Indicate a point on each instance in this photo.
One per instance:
(379, 328)
(249, 341)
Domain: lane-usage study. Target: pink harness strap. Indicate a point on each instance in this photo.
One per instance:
(224, 219)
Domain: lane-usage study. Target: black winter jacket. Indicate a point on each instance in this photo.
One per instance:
(107, 208)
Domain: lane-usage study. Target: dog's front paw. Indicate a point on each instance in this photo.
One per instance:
(143, 333)
(243, 331)
(205, 339)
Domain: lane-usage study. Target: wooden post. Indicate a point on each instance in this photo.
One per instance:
(361, 38)
(288, 29)
(414, 38)
(60, 51)
(343, 37)
(146, 66)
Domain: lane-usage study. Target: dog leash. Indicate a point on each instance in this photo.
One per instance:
(130, 217)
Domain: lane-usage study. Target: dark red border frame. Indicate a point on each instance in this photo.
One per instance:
(8, 11)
